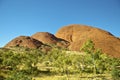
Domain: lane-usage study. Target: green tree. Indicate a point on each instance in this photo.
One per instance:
(94, 57)
(89, 49)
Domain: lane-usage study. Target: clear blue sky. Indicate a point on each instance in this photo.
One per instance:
(26, 17)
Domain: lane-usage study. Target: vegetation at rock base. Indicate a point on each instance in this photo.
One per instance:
(19, 63)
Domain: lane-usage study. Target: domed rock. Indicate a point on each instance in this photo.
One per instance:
(78, 34)
(24, 41)
(49, 38)
(45, 37)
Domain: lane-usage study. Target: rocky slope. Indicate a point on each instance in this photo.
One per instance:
(24, 41)
(78, 34)
(71, 37)
(48, 38)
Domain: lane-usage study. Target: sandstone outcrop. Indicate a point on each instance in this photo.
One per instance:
(48, 38)
(77, 35)
(71, 37)
(24, 41)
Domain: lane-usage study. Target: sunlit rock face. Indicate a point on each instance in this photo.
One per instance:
(78, 34)
(24, 41)
(48, 38)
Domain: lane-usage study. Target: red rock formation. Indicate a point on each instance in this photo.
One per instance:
(78, 34)
(49, 38)
(24, 41)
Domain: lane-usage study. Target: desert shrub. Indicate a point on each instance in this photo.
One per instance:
(115, 72)
(23, 63)
(18, 76)
(95, 58)
(19, 63)
(2, 78)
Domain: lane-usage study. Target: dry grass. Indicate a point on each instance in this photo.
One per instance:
(75, 77)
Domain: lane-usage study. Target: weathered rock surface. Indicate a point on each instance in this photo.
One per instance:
(78, 34)
(24, 41)
(48, 38)
(72, 37)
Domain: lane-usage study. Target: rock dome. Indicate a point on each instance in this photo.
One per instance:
(77, 35)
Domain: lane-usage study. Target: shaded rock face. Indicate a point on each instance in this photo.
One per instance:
(49, 38)
(78, 34)
(24, 41)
